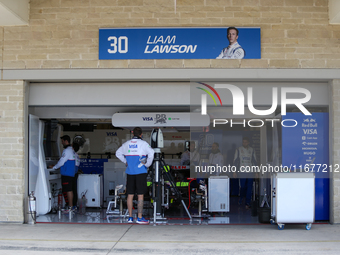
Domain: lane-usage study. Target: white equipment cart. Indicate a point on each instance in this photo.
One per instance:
(218, 194)
(293, 198)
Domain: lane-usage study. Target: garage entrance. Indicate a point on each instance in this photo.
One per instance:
(89, 120)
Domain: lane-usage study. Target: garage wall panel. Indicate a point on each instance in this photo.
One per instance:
(100, 94)
(64, 34)
(335, 150)
(157, 93)
(11, 151)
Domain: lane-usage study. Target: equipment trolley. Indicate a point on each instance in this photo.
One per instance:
(293, 198)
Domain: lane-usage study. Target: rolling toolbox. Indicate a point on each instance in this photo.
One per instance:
(293, 198)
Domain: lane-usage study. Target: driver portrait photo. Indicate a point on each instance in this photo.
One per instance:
(234, 50)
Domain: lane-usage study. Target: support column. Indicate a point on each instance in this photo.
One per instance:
(12, 170)
(335, 150)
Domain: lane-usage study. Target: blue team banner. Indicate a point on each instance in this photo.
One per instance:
(179, 43)
(305, 147)
(92, 166)
(306, 143)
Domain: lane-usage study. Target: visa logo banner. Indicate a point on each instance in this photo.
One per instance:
(132, 146)
(178, 43)
(111, 133)
(147, 118)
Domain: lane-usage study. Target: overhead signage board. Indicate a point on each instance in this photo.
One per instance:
(177, 43)
(167, 119)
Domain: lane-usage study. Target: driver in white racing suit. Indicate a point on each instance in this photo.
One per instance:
(234, 50)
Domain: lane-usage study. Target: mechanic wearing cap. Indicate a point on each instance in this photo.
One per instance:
(67, 165)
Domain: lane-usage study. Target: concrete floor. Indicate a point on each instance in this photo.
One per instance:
(237, 214)
(74, 239)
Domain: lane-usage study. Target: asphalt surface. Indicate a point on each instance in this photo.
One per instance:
(165, 239)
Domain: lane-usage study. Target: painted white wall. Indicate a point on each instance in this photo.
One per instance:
(334, 11)
(106, 94)
(14, 12)
(158, 93)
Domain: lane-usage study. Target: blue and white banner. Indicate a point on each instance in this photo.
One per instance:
(307, 143)
(177, 43)
(92, 166)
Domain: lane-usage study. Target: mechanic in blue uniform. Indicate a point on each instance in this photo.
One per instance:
(234, 50)
(138, 156)
(245, 157)
(67, 165)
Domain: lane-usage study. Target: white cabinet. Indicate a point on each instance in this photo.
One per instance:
(92, 185)
(218, 194)
(293, 198)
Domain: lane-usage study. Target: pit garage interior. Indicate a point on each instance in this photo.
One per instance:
(84, 112)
